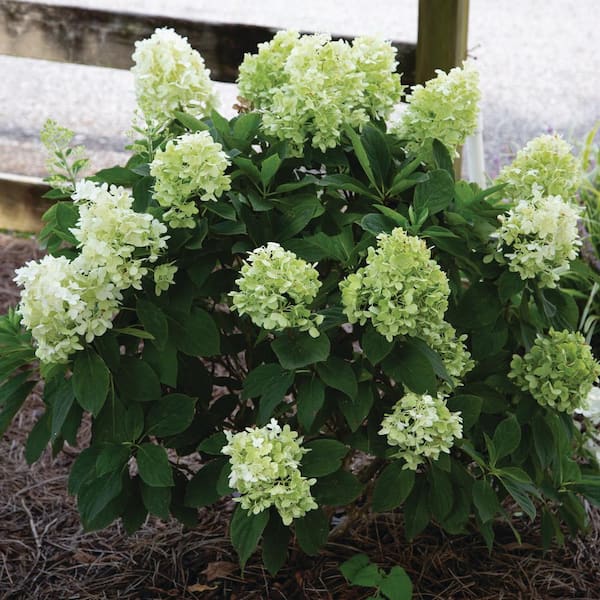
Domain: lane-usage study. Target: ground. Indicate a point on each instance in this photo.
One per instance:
(45, 554)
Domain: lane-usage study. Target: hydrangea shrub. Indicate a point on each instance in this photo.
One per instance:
(307, 304)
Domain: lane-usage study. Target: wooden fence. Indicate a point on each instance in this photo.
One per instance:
(106, 38)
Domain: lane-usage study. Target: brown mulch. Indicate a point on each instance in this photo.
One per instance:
(44, 553)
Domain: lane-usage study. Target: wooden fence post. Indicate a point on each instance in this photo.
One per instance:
(442, 41)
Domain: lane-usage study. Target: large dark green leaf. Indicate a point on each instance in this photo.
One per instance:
(153, 465)
(507, 437)
(271, 383)
(276, 538)
(338, 374)
(154, 321)
(137, 381)
(196, 334)
(91, 380)
(202, 487)
(374, 345)
(12, 395)
(392, 487)
(298, 350)
(312, 531)
(485, 500)
(356, 411)
(170, 415)
(309, 401)
(325, 457)
(411, 367)
(59, 395)
(338, 489)
(245, 531)
(435, 194)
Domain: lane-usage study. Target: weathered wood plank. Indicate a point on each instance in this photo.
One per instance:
(442, 38)
(106, 38)
(21, 202)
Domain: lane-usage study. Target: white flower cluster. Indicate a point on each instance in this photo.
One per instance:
(265, 469)
(445, 108)
(170, 76)
(191, 165)
(422, 427)
(539, 238)
(546, 162)
(275, 290)
(66, 301)
(309, 87)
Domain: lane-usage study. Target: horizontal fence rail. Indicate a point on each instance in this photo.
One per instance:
(106, 38)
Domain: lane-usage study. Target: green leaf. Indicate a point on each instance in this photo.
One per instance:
(137, 381)
(338, 489)
(478, 307)
(12, 395)
(410, 366)
(435, 194)
(312, 531)
(442, 158)
(246, 126)
(83, 469)
(376, 224)
(112, 457)
(154, 321)
(58, 393)
(116, 176)
(134, 514)
(325, 457)
(298, 350)
(196, 334)
(213, 444)
(269, 168)
(202, 487)
(543, 441)
(153, 465)
(378, 153)
(245, 531)
(396, 585)
(94, 495)
(309, 401)
(485, 500)
(356, 411)
(38, 438)
(170, 415)
(518, 491)
(507, 437)
(392, 487)
(468, 406)
(346, 182)
(190, 122)
(510, 284)
(416, 510)
(338, 374)
(374, 345)
(91, 380)
(276, 538)
(441, 495)
(359, 570)
(271, 383)
(361, 154)
(134, 332)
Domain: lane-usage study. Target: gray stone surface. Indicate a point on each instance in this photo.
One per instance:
(539, 65)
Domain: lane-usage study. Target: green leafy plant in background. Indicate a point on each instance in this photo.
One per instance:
(307, 302)
(393, 585)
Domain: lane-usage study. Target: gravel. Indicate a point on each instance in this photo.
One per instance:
(537, 59)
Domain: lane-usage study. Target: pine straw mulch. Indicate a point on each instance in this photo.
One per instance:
(44, 553)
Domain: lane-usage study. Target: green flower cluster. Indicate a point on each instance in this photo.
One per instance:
(546, 162)
(65, 301)
(191, 165)
(275, 290)
(309, 88)
(538, 238)
(265, 470)
(401, 290)
(453, 352)
(445, 108)
(170, 76)
(422, 427)
(558, 371)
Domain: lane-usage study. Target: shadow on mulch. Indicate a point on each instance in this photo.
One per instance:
(44, 553)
